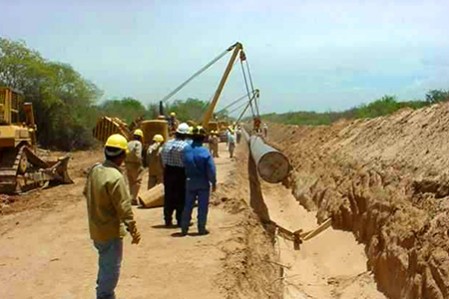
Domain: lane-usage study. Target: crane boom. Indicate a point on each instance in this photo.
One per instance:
(210, 109)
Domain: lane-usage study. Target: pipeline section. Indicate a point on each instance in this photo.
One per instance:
(272, 165)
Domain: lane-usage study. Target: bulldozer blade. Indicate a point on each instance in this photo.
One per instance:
(58, 171)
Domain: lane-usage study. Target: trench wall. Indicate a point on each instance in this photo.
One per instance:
(387, 181)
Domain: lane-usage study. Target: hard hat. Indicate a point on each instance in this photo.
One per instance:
(172, 114)
(117, 141)
(158, 138)
(199, 130)
(138, 132)
(183, 128)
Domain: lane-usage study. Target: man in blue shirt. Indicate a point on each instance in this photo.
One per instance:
(200, 176)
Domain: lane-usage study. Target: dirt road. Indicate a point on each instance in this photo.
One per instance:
(46, 252)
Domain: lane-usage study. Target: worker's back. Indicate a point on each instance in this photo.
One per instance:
(199, 165)
(105, 188)
(154, 159)
(135, 152)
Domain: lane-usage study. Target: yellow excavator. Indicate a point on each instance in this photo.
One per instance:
(21, 169)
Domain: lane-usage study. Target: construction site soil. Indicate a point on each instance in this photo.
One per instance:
(45, 251)
(387, 181)
(384, 183)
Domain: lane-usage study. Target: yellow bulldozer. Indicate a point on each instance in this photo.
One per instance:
(21, 169)
(106, 126)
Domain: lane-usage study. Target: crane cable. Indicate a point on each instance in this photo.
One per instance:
(252, 87)
(237, 108)
(246, 84)
(254, 97)
(204, 68)
(234, 102)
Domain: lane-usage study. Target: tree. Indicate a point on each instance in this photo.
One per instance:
(190, 109)
(127, 109)
(383, 106)
(61, 97)
(437, 95)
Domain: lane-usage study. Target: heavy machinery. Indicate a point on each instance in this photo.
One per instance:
(21, 169)
(106, 126)
(251, 95)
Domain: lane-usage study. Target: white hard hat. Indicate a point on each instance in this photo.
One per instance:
(183, 128)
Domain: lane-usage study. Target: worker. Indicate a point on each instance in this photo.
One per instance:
(109, 213)
(189, 139)
(200, 176)
(265, 130)
(133, 164)
(154, 161)
(231, 142)
(238, 134)
(172, 121)
(213, 144)
(174, 175)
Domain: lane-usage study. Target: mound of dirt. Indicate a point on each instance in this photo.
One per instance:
(386, 180)
(250, 266)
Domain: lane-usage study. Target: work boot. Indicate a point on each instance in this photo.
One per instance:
(168, 223)
(203, 232)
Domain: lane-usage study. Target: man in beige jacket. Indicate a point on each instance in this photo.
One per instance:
(133, 164)
(109, 213)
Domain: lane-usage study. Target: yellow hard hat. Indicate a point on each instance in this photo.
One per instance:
(138, 132)
(117, 141)
(172, 114)
(158, 138)
(199, 130)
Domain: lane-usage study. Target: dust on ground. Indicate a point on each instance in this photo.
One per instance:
(46, 252)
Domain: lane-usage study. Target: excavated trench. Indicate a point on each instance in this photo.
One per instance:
(386, 181)
(332, 265)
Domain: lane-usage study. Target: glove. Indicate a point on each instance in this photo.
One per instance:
(132, 229)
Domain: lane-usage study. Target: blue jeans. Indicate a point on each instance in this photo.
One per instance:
(203, 206)
(109, 261)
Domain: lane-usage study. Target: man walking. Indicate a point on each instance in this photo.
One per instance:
(231, 142)
(213, 144)
(109, 212)
(155, 169)
(238, 134)
(265, 130)
(174, 175)
(200, 175)
(133, 164)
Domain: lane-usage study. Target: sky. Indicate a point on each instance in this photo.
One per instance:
(304, 55)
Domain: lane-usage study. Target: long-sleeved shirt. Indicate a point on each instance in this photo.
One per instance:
(199, 167)
(135, 152)
(154, 159)
(108, 202)
(172, 153)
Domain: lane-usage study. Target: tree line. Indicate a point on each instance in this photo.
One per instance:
(66, 105)
(388, 104)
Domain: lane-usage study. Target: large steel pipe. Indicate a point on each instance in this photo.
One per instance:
(272, 165)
